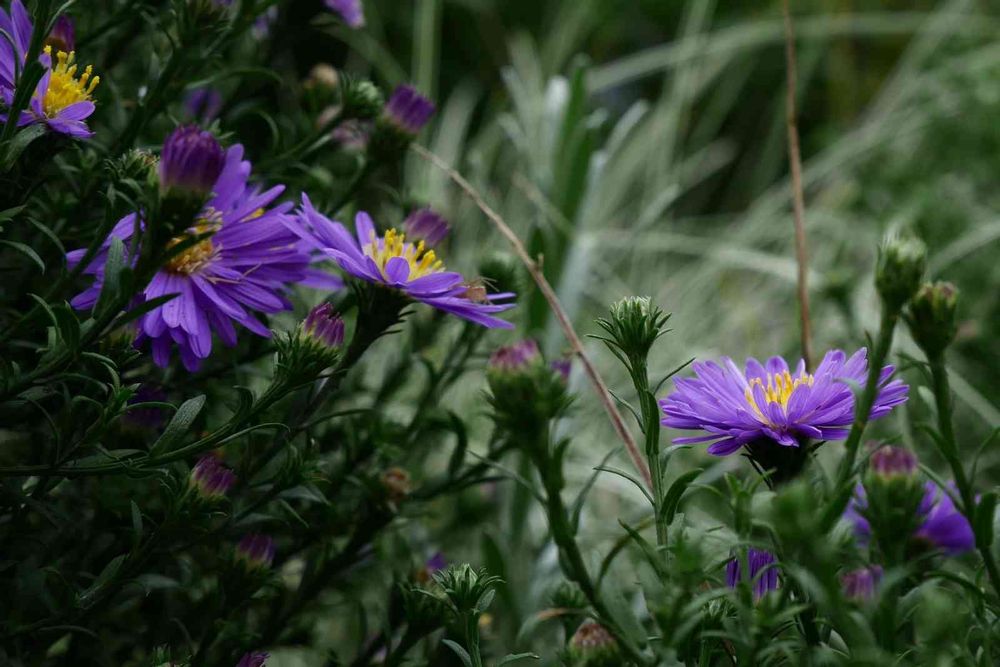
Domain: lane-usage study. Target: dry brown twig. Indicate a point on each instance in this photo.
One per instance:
(798, 197)
(617, 421)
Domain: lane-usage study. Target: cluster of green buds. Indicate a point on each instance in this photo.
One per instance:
(901, 264)
(315, 345)
(931, 317)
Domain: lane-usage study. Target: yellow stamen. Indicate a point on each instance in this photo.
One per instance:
(779, 390)
(196, 256)
(64, 86)
(421, 259)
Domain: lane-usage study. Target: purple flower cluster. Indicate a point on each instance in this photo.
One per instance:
(63, 97)
(391, 261)
(408, 110)
(763, 573)
(350, 11)
(771, 402)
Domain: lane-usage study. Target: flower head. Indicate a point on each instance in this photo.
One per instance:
(593, 646)
(255, 551)
(254, 659)
(350, 11)
(514, 358)
(191, 161)
(426, 225)
(389, 260)
(244, 259)
(63, 97)
(211, 479)
(763, 575)
(938, 523)
(63, 35)
(203, 104)
(324, 325)
(931, 317)
(773, 403)
(408, 110)
(893, 462)
(860, 584)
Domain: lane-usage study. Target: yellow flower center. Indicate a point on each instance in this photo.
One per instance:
(421, 259)
(778, 390)
(195, 257)
(64, 86)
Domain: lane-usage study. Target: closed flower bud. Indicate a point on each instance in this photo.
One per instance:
(255, 552)
(568, 595)
(191, 162)
(324, 326)
(635, 324)
(315, 345)
(403, 117)
(893, 462)
(323, 75)
(762, 577)
(901, 263)
(860, 585)
(424, 609)
(63, 35)
(593, 646)
(931, 317)
(210, 479)
(362, 100)
(525, 391)
(515, 358)
(254, 659)
(427, 226)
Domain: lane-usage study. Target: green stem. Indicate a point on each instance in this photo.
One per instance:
(651, 431)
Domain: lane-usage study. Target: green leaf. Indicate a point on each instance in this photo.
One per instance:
(26, 251)
(462, 654)
(136, 526)
(20, 142)
(110, 571)
(985, 512)
(179, 425)
(516, 657)
(112, 276)
(672, 498)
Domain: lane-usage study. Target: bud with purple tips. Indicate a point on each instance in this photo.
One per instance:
(893, 463)
(350, 11)
(593, 646)
(324, 326)
(408, 110)
(203, 104)
(211, 479)
(860, 585)
(515, 358)
(191, 162)
(255, 552)
(63, 35)
(763, 575)
(427, 226)
(253, 659)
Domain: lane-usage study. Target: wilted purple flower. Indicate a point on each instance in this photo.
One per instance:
(408, 110)
(63, 35)
(940, 524)
(769, 402)
(244, 262)
(211, 479)
(426, 225)
(324, 325)
(256, 551)
(893, 462)
(203, 104)
(391, 261)
(763, 574)
(62, 99)
(254, 659)
(191, 161)
(350, 11)
(860, 584)
(515, 357)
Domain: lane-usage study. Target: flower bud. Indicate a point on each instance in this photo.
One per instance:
(254, 659)
(350, 11)
(191, 162)
(763, 576)
(403, 117)
(210, 479)
(932, 317)
(890, 463)
(426, 225)
(593, 646)
(468, 590)
(859, 585)
(396, 484)
(255, 552)
(635, 324)
(892, 493)
(568, 595)
(901, 263)
(362, 99)
(515, 358)
(63, 35)
(203, 104)
(324, 326)
(315, 345)
(525, 391)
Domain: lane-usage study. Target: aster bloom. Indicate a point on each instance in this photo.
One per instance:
(860, 584)
(763, 574)
(407, 110)
(391, 261)
(211, 479)
(515, 357)
(939, 523)
(203, 104)
(773, 404)
(426, 225)
(254, 659)
(350, 11)
(191, 161)
(255, 551)
(243, 261)
(63, 98)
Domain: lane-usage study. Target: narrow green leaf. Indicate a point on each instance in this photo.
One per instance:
(462, 654)
(179, 425)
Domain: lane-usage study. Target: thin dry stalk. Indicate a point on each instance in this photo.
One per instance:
(617, 421)
(798, 197)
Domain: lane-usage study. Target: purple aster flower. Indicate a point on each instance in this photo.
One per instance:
(350, 11)
(772, 403)
(254, 659)
(860, 584)
(63, 35)
(191, 161)
(244, 263)
(515, 357)
(408, 110)
(763, 574)
(203, 104)
(211, 479)
(62, 99)
(940, 525)
(426, 225)
(391, 261)
(256, 551)
(324, 325)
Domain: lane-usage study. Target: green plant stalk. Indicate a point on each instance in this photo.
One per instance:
(651, 431)
(948, 446)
